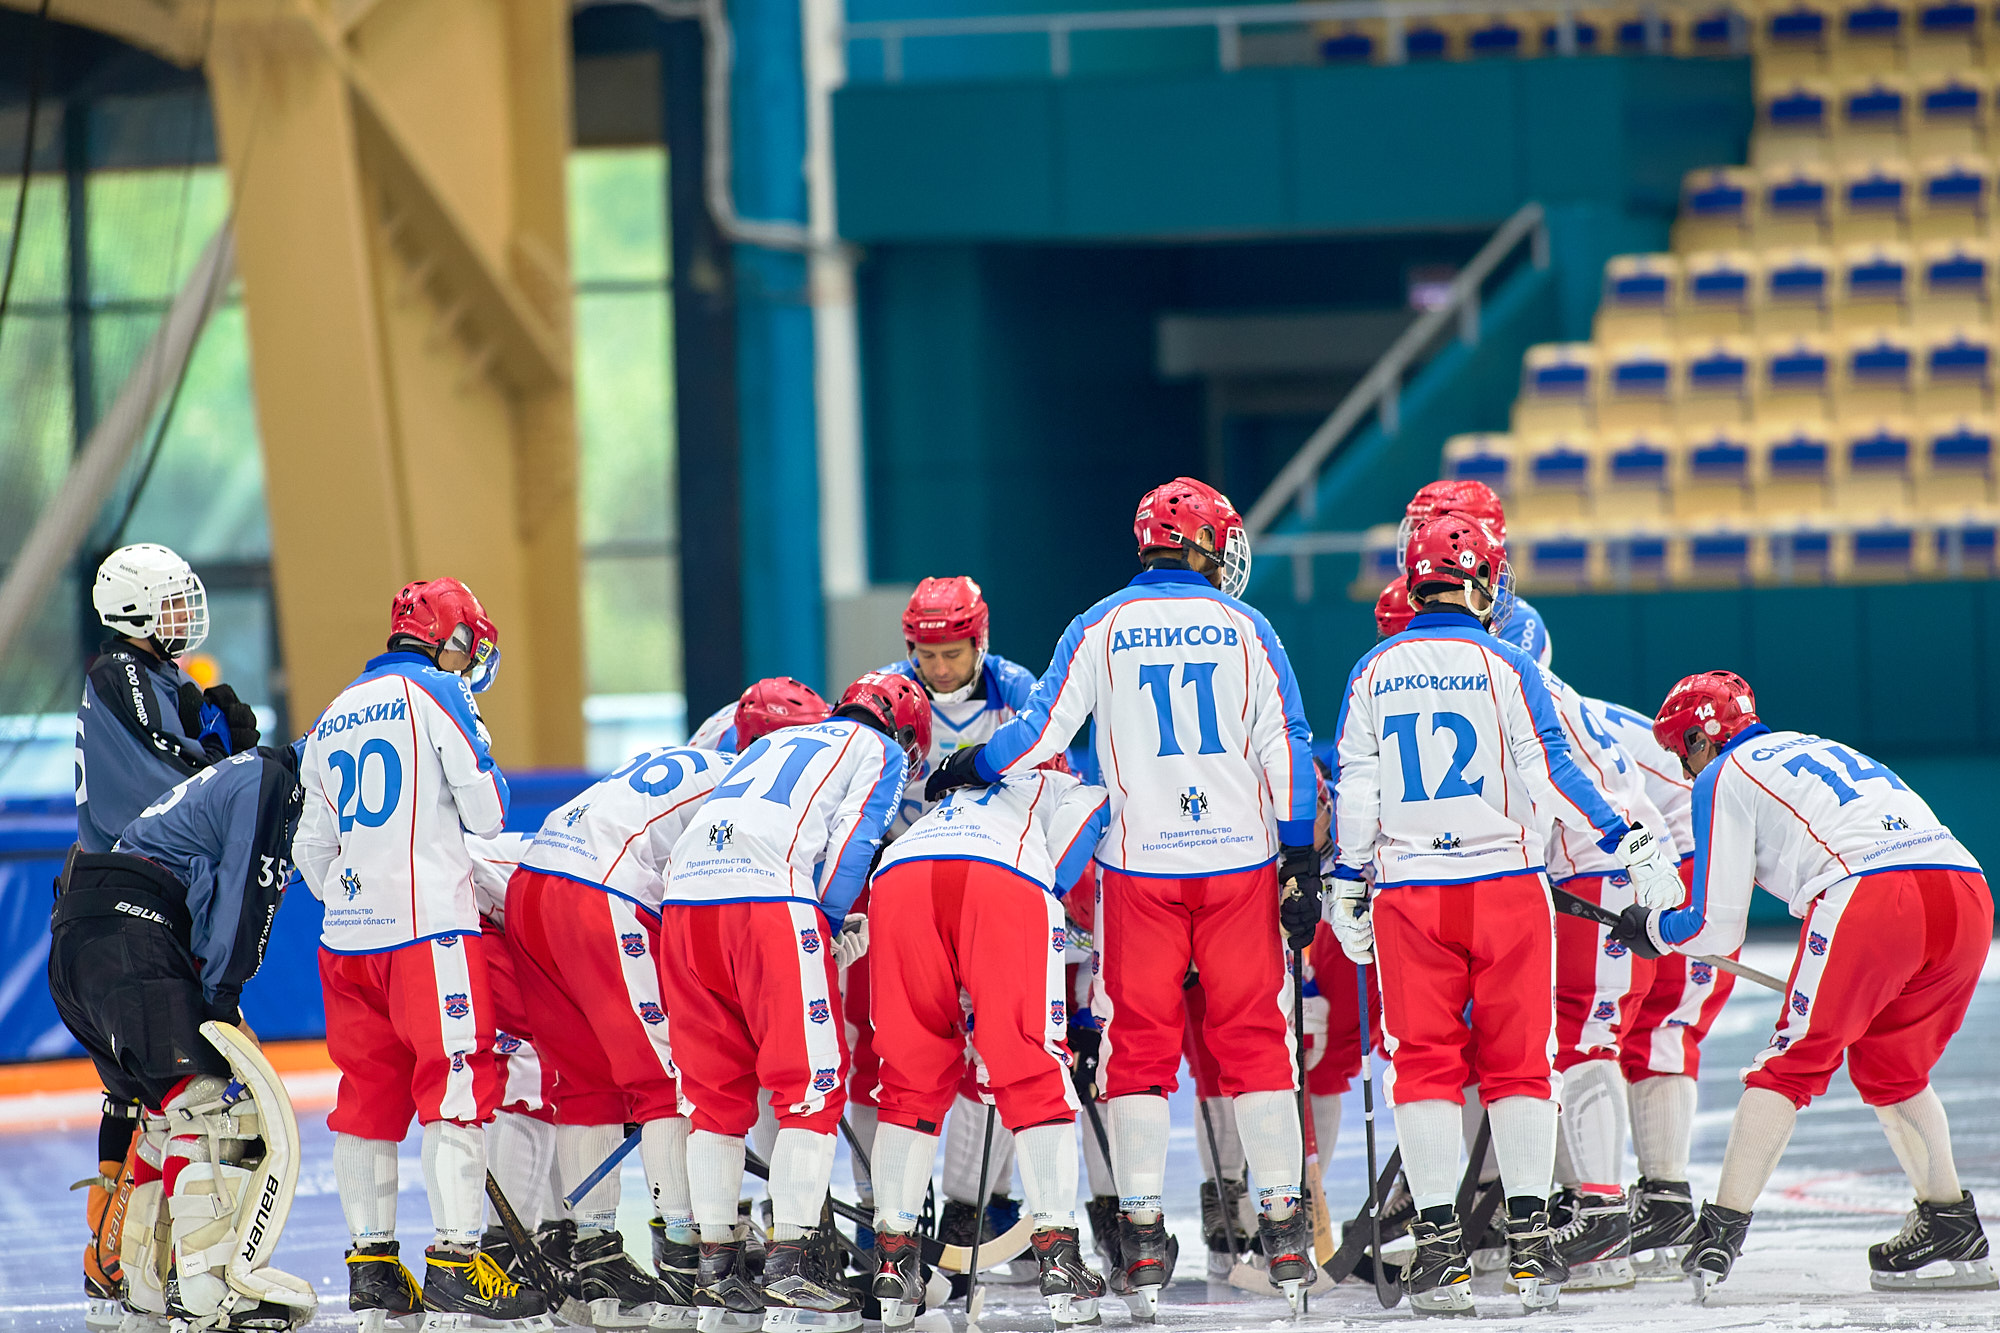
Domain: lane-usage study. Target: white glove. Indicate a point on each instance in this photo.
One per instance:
(852, 941)
(1655, 882)
(1353, 923)
(1314, 1020)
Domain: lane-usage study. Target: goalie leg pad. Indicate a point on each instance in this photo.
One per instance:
(143, 1248)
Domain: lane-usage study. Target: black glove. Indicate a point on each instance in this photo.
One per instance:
(1298, 894)
(1632, 933)
(956, 771)
(210, 731)
(1084, 1041)
(241, 718)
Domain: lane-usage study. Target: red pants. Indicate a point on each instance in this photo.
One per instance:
(1886, 967)
(1148, 931)
(584, 958)
(411, 1032)
(752, 989)
(1664, 1035)
(527, 1082)
(1600, 983)
(1490, 943)
(937, 926)
(864, 1067)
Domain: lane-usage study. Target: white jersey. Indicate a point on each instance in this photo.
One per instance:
(1797, 814)
(494, 861)
(798, 820)
(1003, 692)
(1199, 732)
(1612, 771)
(717, 731)
(1660, 768)
(396, 771)
(1043, 826)
(619, 834)
(1453, 760)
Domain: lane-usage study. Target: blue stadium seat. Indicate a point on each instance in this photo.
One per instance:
(1796, 380)
(1802, 548)
(1637, 474)
(1714, 473)
(1874, 117)
(1641, 382)
(1718, 293)
(1721, 551)
(1887, 547)
(1950, 114)
(1874, 202)
(1958, 371)
(1558, 472)
(1639, 297)
(1497, 36)
(1795, 123)
(1636, 556)
(1871, 34)
(1798, 284)
(1558, 387)
(1877, 373)
(1874, 286)
(1875, 463)
(1791, 467)
(1964, 545)
(1717, 384)
(1955, 462)
(1718, 205)
(1954, 198)
(1796, 204)
(1946, 35)
(1793, 39)
(1487, 458)
(1557, 558)
(1956, 284)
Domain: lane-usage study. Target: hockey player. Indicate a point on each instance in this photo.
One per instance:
(775, 701)
(971, 897)
(747, 963)
(1451, 760)
(1204, 744)
(396, 770)
(1897, 920)
(583, 922)
(152, 943)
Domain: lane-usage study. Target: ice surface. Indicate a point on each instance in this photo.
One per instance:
(1805, 1266)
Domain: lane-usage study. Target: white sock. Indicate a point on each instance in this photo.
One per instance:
(1524, 1139)
(579, 1150)
(964, 1136)
(862, 1120)
(1591, 1123)
(1920, 1135)
(764, 1134)
(364, 1171)
(1219, 1113)
(1094, 1164)
(1470, 1113)
(715, 1179)
(801, 1168)
(1429, 1132)
(663, 1147)
(455, 1179)
(1273, 1142)
(1757, 1139)
(520, 1152)
(1326, 1128)
(1047, 1154)
(1139, 1153)
(903, 1160)
(1663, 1125)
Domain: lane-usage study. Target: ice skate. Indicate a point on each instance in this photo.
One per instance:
(103, 1284)
(1147, 1254)
(619, 1293)
(557, 1242)
(1219, 1230)
(1287, 1247)
(1533, 1267)
(1102, 1211)
(724, 1295)
(899, 1283)
(1070, 1289)
(466, 1289)
(1941, 1247)
(381, 1290)
(797, 1294)
(676, 1265)
(1595, 1243)
(1439, 1277)
(1003, 1213)
(1663, 1222)
(496, 1242)
(253, 1317)
(1715, 1247)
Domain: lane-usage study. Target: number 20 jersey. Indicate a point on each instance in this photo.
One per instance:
(396, 771)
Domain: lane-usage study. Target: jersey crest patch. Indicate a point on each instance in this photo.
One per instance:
(825, 1080)
(1894, 824)
(1701, 973)
(350, 882)
(458, 1062)
(650, 1011)
(633, 943)
(818, 1011)
(1605, 1011)
(506, 1043)
(447, 942)
(1058, 938)
(1800, 1002)
(458, 1004)
(1817, 943)
(1058, 1013)
(1780, 1043)
(569, 820)
(720, 834)
(809, 939)
(1614, 948)
(1194, 804)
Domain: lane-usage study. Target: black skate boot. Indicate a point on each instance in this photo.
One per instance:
(557, 1242)
(1070, 1289)
(676, 1266)
(619, 1293)
(798, 1293)
(1398, 1211)
(1714, 1248)
(1439, 1277)
(1595, 1243)
(381, 1290)
(1223, 1232)
(899, 1282)
(1663, 1222)
(495, 1241)
(1941, 1247)
(1288, 1250)
(248, 1317)
(1102, 1210)
(724, 1296)
(1147, 1255)
(466, 1289)
(1533, 1267)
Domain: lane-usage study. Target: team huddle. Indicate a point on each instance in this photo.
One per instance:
(963, 913)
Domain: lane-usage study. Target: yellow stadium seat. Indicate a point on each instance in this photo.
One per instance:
(1431, 36)
(1964, 544)
(1795, 204)
(1954, 463)
(1954, 284)
(1957, 374)
(1503, 36)
(1887, 546)
(1487, 458)
(1875, 462)
(1636, 474)
(1558, 387)
(1559, 556)
(1945, 34)
(1791, 467)
(1954, 199)
(1636, 554)
(1718, 205)
(1719, 31)
(1350, 41)
(1803, 548)
(1717, 382)
(1874, 201)
(1793, 38)
(1712, 472)
(1875, 283)
(1639, 297)
(1721, 551)
(1638, 385)
(1797, 286)
(1794, 123)
(1951, 113)
(1877, 375)
(1875, 114)
(1558, 472)
(1794, 378)
(1718, 288)
(1870, 35)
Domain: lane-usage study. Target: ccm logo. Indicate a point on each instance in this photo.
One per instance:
(145, 914)
(255, 1236)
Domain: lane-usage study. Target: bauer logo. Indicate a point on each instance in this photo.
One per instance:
(350, 882)
(825, 1080)
(1800, 1002)
(1614, 949)
(633, 943)
(1817, 943)
(1605, 1011)
(809, 939)
(458, 1004)
(819, 1011)
(651, 1012)
(720, 833)
(506, 1043)
(1701, 973)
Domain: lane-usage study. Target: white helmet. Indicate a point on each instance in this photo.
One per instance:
(148, 592)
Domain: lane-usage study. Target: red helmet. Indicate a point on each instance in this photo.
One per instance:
(444, 614)
(1172, 516)
(774, 702)
(1454, 552)
(1715, 705)
(1474, 499)
(900, 705)
(1393, 609)
(945, 611)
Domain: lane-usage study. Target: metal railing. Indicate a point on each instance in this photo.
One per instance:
(1229, 21)
(1380, 393)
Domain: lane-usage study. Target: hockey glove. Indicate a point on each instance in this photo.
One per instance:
(1352, 919)
(240, 718)
(1298, 894)
(1315, 1017)
(1631, 931)
(956, 771)
(1654, 880)
(852, 941)
(1084, 1041)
